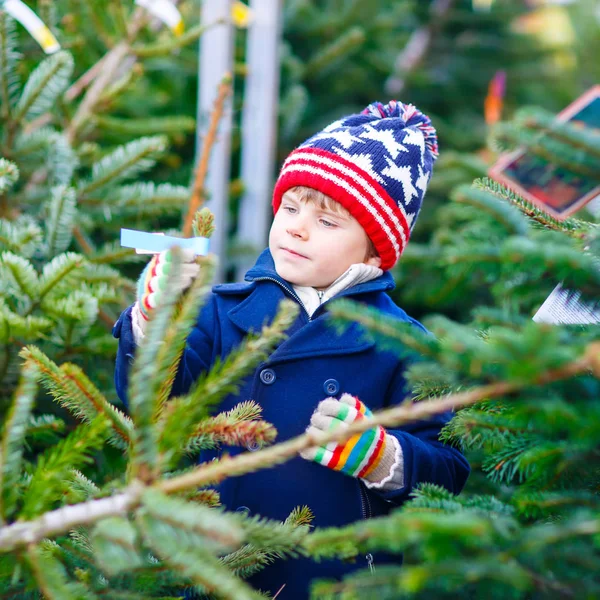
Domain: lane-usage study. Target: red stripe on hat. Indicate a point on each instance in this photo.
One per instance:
(363, 181)
(374, 454)
(372, 227)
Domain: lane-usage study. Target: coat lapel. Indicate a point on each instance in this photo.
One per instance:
(306, 338)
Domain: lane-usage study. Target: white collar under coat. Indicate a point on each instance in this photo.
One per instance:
(357, 273)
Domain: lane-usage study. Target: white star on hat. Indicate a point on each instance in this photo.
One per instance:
(386, 137)
(342, 136)
(422, 180)
(362, 161)
(403, 175)
(415, 137)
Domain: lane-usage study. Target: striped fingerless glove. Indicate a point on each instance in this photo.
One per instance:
(153, 281)
(374, 455)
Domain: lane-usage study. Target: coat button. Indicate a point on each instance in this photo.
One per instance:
(267, 376)
(331, 387)
(130, 358)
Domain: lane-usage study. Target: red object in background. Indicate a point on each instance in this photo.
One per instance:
(550, 187)
(494, 101)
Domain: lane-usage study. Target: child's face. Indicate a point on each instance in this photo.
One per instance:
(313, 246)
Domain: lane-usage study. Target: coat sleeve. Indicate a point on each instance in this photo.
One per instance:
(197, 357)
(425, 458)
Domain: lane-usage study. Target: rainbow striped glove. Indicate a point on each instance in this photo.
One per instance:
(153, 281)
(373, 455)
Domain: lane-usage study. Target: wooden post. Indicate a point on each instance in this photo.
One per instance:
(259, 127)
(216, 59)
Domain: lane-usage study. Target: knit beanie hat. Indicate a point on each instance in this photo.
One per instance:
(376, 164)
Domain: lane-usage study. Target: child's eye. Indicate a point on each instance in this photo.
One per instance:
(328, 224)
(289, 209)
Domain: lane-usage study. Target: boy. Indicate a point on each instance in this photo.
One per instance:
(345, 203)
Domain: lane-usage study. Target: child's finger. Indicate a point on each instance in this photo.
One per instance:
(356, 404)
(190, 270)
(331, 425)
(340, 410)
(320, 454)
(323, 422)
(188, 255)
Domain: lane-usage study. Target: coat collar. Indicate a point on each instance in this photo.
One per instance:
(306, 338)
(265, 268)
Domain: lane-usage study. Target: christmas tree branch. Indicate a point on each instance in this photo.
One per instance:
(198, 190)
(85, 513)
(388, 418)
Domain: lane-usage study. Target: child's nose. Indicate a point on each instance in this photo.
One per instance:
(298, 232)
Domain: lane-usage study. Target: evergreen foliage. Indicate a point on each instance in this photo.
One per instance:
(528, 523)
(95, 503)
(65, 187)
(73, 534)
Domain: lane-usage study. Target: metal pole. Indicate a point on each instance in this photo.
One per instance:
(216, 59)
(259, 127)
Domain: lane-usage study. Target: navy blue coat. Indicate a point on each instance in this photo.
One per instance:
(313, 363)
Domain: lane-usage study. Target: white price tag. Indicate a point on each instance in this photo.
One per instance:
(166, 11)
(35, 26)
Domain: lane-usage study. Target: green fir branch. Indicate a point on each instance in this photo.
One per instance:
(80, 488)
(57, 271)
(115, 545)
(75, 313)
(13, 437)
(535, 504)
(169, 356)
(9, 175)
(191, 525)
(579, 161)
(144, 382)
(174, 43)
(194, 562)
(72, 389)
(502, 212)
(22, 273)
(182, 414)
(59, 227)
(247, 561)
(50, 148)
(96, 274)
(9, 57)
(113, 253)
(22, 236)
(327, 57)
(241, 426)
(47, 484)
(52, 578)
(136, 195)
(125, 162)
(404, 337)
(48, 80)
(203, 224)
(570, 226)
(538, 119)
(172, 125)
(45, 429)
(13, 325)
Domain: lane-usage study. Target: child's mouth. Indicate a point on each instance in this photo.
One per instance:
(288, 251)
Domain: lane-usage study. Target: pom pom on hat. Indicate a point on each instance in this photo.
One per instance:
(411, 116)
(376, 164)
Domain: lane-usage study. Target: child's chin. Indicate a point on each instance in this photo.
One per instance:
(290, 275)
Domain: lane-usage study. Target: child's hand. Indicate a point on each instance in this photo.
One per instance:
(363, 453)
(153, 281)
